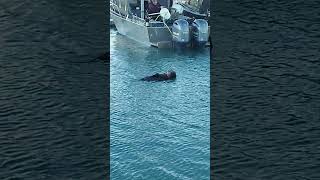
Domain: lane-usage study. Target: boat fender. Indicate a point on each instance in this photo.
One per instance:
(165, 14)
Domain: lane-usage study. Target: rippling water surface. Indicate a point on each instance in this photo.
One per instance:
(159, 130)
(266, 84)
(52, 96)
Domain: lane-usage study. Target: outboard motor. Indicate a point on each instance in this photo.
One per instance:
(200, 32)
(180, 33)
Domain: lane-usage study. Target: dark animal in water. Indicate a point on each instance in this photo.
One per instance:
(170, 75)
(104, 56)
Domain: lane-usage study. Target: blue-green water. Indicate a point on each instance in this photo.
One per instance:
(159, 130)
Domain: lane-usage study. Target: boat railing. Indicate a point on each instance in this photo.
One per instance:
(153, 14)
(116, 9)
(163, 22)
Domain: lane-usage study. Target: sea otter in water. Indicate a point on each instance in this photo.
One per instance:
(170, 75)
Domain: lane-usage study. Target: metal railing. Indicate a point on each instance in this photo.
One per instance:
(118, 11)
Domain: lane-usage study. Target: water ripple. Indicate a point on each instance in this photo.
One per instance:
(52, 115)
(265, 84)
(159, 130)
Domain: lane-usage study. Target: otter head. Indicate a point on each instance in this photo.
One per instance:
(171, 74)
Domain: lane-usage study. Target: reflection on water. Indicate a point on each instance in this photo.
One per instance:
(159, 130)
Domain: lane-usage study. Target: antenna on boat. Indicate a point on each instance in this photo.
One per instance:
(142, 8)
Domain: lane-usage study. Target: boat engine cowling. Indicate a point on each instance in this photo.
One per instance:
(200, 32)
(180, 32)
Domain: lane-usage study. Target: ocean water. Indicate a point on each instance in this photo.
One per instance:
(265, 90)
(53, 96)
(158, 130)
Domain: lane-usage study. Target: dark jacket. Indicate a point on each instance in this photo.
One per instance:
(154, 8)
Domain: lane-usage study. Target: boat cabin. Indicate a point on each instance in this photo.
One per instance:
(140, 8)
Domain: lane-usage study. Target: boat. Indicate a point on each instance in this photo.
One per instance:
(177, 24)
(111, 23)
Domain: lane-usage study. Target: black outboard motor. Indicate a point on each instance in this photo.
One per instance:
(200, 32)
(180, 33)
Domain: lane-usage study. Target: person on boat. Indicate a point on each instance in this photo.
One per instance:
(170, 75)
(154, 6)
